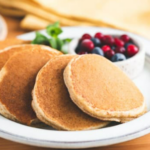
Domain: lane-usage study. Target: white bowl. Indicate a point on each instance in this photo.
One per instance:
(132, 66)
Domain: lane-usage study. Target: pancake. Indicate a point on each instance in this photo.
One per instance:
(6, 53)
(17, 79)
(102, 90)
(52, 103)
(11, 41)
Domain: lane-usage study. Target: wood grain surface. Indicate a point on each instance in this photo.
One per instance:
(142, 143)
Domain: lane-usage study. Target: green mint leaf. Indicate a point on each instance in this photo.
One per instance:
(53, 30)
(56, 43)
(53, 43)
(67, 40)
(59, 43)
(40, 39)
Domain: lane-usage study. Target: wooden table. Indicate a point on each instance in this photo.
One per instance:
(142, 143)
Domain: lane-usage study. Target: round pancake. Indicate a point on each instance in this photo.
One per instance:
(6, 53)
(17, 79)
(102, 90)
(52, 103)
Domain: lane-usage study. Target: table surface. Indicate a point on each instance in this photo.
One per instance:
(141, 143)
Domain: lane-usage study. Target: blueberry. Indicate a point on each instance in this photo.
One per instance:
(126, 45)
(96, 41)
(77, 48)
(113, 47)
(118, 57)
(98, 51)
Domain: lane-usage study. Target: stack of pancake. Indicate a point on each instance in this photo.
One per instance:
(66, 92)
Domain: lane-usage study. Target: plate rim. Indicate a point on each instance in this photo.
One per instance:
(3, 28)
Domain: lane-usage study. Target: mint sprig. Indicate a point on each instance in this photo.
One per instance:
(54, 30)
(40, 39)
(54, 41)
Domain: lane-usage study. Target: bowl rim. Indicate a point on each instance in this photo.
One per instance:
(135, 40)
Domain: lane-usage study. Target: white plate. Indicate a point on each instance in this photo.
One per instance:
(3, 28)
(83, 139)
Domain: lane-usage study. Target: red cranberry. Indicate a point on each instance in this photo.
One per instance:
(106, 48)
(85, 36)
(108, 40)
(87, 45)
(109, 54)
(125, 38)
(132, 50)
(119, 42)
(98, 35)
(120, 50)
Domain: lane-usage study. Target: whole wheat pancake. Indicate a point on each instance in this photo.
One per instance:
(102, 90)
(6, 53)
(17, 79)
(52, 103)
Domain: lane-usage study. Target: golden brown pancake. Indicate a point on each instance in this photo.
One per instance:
(11, 42)
(102, 90)
(6, 53)
(17, 79)
(52, 103)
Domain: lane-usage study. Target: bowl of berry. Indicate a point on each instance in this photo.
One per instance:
(124, 51)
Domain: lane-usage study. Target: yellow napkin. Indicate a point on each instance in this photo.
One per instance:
(130, 15)
(32, 8)
(31, 22)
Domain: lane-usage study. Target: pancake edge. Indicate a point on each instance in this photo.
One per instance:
(44, 47)
(95, 112)
(123, 120)
(5, 112)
